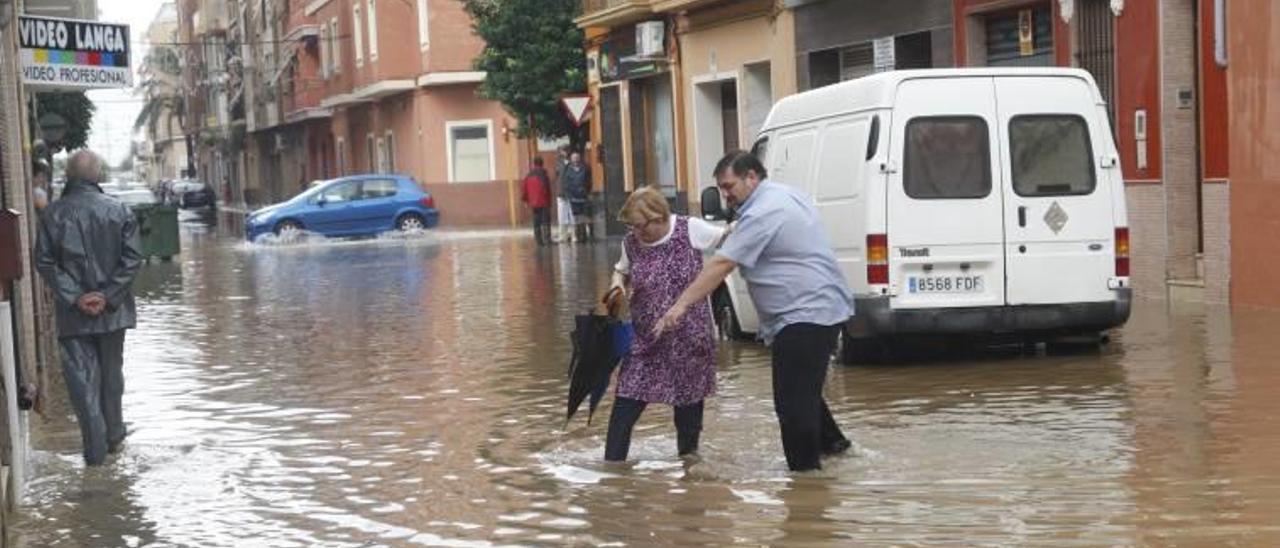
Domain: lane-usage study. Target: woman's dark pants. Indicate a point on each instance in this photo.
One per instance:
(626, 412)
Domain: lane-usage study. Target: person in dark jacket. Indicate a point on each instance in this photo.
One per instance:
(575, 186)
(536, 193)
(87, 252)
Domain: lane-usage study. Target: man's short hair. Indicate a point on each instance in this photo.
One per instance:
(739, 162)
(84, 166)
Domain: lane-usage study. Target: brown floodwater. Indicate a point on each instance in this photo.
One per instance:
(410, 391)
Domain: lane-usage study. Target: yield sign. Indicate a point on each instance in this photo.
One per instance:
(577, 106)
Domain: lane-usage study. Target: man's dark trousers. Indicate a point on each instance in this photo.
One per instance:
(93, 368)
(542, 224)
(801, 354)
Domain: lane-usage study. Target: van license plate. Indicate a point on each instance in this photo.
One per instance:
(945, 284)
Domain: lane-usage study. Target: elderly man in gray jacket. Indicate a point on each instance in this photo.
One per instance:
(87, 252)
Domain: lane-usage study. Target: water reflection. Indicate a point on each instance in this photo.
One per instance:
(400, 392)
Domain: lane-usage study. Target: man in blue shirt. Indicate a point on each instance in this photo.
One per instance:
(799, 291)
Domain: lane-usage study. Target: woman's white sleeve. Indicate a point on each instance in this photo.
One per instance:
(624, 263)
(704, 236)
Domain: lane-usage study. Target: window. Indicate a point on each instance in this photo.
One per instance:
(380, 188)
(345, 192)
(947, 157)
(382, 155)
(1049, 155)
(424, 29)
(1005, 30)
(324, 52)
(373, 30)
(761, 150)
(358, 26)
(391, 151)
(342, 156)
(335, 48)
(470, 151)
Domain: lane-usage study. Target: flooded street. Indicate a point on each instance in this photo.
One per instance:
(411, 392)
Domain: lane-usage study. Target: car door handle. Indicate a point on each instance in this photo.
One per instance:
(1022, 216)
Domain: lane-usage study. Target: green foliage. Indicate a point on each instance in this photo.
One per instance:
(533, 55)
(77, 109)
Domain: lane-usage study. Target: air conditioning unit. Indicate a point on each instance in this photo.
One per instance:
(650, 39)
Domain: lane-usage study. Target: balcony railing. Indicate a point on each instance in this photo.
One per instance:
(613, 12)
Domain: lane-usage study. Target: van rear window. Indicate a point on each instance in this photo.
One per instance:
(947, 157)
(1050, 155)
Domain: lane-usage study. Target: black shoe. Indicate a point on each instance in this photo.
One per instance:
(837, 447)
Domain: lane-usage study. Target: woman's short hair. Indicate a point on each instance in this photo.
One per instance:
(644, 205)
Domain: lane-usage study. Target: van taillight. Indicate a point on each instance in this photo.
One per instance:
(1122, 251)
(428, 202)
(877, 258)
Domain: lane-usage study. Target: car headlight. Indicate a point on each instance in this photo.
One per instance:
(262, 217)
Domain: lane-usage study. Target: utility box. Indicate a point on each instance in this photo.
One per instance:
(158, 230)
(11, 265)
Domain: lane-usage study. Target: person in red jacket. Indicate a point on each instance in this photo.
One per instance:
(535, 191)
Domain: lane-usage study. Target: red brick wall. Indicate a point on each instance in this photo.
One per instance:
(453, 43)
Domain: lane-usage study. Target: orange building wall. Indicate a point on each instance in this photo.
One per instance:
(1254, 84)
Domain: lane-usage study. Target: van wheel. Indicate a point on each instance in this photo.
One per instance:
(725, 317)
(1081, 343)
(855, 351)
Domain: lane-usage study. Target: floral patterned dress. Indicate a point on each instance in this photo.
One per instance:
(677, 368)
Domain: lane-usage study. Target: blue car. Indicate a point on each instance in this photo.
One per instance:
(359, 205)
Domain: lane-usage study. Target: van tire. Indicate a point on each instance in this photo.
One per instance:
(857, 351)
(725, 316)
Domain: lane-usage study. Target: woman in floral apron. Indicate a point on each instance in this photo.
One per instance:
(661, 256)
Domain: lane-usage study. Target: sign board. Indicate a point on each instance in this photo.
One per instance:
(74, 54)
(885, 57)
(1026, 33)
(578, 107)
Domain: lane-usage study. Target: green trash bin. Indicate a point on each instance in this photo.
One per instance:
(158, 230)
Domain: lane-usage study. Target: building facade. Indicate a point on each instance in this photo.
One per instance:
(163, 154)
(674, 85)
(1154, 64)
(846, 39)
(311, 90)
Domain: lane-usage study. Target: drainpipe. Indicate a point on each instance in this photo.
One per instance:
(1220, 32)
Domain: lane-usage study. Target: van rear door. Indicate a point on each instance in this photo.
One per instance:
(945, 200)
(1058, 213)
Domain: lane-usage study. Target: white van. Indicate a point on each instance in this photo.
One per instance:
(958, 201)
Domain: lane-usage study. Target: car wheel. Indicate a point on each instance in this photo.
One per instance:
(410, 221)
(286, 228)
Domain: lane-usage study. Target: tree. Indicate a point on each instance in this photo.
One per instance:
(533, 54)
(76, 108)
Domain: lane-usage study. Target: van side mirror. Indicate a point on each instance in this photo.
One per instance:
(712, 210)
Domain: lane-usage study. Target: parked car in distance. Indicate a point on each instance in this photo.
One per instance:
(134, 197)
(191, 194)
(359, 205)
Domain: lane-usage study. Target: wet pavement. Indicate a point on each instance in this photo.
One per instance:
(411, 392)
